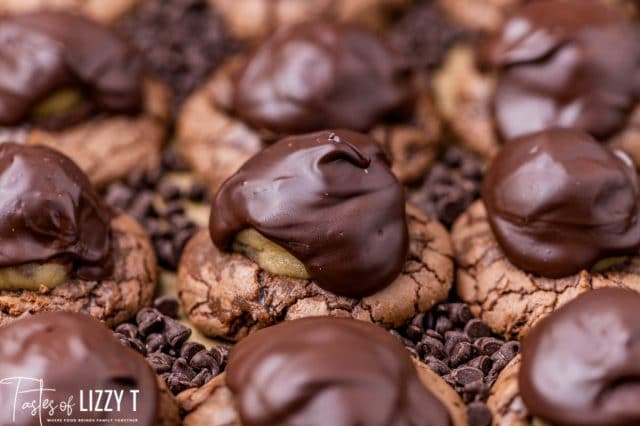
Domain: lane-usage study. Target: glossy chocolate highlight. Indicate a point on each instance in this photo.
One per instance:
(329, 199)
(329, 371)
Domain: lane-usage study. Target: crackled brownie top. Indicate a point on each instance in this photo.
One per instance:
(328, 198)
(558, 202)
(49, 211)
(320, 75)
(45, 52)
(581, 365)
(570, 63)
(71, 352)
(329, 371)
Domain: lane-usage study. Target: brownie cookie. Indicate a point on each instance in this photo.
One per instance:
(74, 85)
(579, 366)
(66, 355)
(102, 11)
(319, 371)
(313, 225)
(559, 216)
(558, 70)
(256, 19)
(61, 247)
(336, 77)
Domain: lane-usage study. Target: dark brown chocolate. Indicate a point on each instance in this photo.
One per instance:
(558, 202)
(76, 357)
(581, 365)
(321, 75)
(331, 371)
(330, 199)
(571, 63)
(43, 52)
(50, 212)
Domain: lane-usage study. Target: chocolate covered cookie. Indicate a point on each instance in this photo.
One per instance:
(306, 78)
(256, 19)
(313, 225)
(552, 65)
(61, 248)
(559, 216)
(64, 367)
(72, 84)
(579, 366)
(102, 11)
(323, 371)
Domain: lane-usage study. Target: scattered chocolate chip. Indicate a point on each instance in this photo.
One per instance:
(178, 382)
(189, 349)
(160, 362)
(481, 362)
(437, 365)
(476, 329)
(466, 375)
(452, 338)
(167, 305)
(201, 378)
(180, 366)
(478, 414)
(204, 359)
(175, 333)
(461, 353)
(488, 345)
(128, 330)
(149, 321)
(430, 346)
(452, 184)
(155, 342)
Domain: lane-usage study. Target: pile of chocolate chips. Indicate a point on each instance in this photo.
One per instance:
(462, 350)
(158, 204)
(425, 34)
(163, 342)
(183, 41)
(452, 184)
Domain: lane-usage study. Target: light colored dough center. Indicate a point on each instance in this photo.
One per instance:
(270, 256)
(32, 276)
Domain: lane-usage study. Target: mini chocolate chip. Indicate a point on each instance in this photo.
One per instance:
(434, 334)
(181, 366)
(166, 252)
(136, 179)
(450, 380)
(181, 238)
(476, 329)
(136, 345)
(459, 313)
(418, 321)
(174, 208)
(465, 374)
(128, 330)
(155, 342)
(220, 353)
(197, 192)
(189, 349)
(167, 305)
(204, 359)
(452, 338)
(478, 414)
(506, 353)
(179, 221)
(157, 228)
(178, 382)
(149, 321)
(151, 177)
(175, 333)
(488, 345)
(201, 379)
(462, 352)
(414, 332)
(437, 366)
(142, 205)
(482, 362)
(119, 196)
(160, 362)
(168, 190)
(443, 324)
(430, 346)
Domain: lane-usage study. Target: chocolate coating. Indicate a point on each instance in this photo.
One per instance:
(71, 353)
(50, 212)
(47, 51)
(558, 202)
(322, 75)
(328, 198)
(581, 365)
(329, 371)
(570, 63)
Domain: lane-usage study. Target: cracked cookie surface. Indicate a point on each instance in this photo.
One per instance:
(508, 299)
(111, 300)
(214, 405)
(126, 142)
(229, 296)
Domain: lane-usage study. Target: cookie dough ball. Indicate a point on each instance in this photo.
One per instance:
(315, 224)
(74, 85)
(579, 366)
(61, 247)
(69, 358)
(324, 371)
(305, 78)
(559, 216)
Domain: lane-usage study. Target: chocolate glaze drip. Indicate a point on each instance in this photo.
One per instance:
(50, 212)
(570, 63)
(558, 202)
(581, 365)
(72, 352)
(321, 75)
(330, 199)
(329, 371)
(48, 51)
